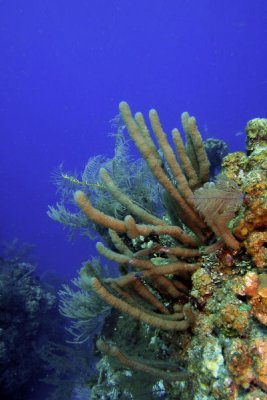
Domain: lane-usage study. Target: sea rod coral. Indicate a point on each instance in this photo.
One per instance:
(151, 267)
(197, 269)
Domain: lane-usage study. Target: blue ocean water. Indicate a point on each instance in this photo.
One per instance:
(66, 65)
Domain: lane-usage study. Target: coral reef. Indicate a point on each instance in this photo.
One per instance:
(233, 294)
(251, 176)
(28, 314)
(193, 276)
(33, 358)
(69, 370)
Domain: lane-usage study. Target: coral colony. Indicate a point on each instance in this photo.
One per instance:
(192, 280)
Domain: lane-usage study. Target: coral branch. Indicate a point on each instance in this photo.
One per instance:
(137, 313)
(139, 365)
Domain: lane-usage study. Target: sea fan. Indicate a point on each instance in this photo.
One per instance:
(218, 199)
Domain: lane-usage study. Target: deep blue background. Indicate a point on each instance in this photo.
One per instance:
(64, 67)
